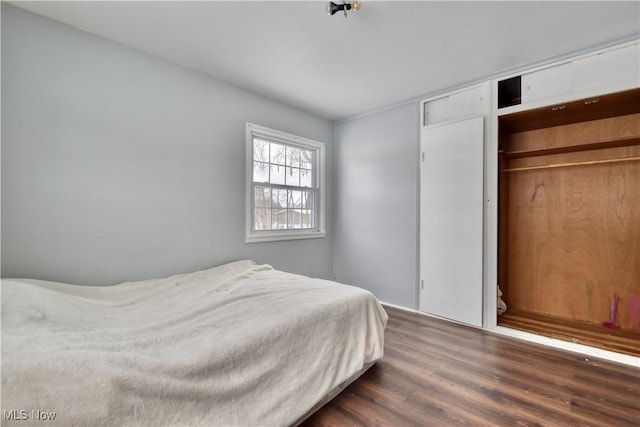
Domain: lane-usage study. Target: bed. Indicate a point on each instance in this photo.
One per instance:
(239, 344)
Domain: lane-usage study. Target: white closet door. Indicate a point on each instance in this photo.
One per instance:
(451, 184)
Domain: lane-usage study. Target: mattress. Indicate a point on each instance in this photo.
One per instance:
(239, 344)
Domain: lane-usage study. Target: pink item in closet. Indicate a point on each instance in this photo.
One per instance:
(613, 315)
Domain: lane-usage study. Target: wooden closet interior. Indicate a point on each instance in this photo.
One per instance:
(569, 221)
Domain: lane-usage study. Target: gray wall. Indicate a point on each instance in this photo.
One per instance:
(117, 165)
(376, 203)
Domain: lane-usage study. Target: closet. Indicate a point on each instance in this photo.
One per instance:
(569, 216)
(530, 184)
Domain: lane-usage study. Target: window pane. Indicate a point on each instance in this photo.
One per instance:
(306, 159)
(260, 172)
(293, 157)
(279, 219)
(262, 197)
(306, 178)
(293, 218)
(262, 219)
(307, 200)
(277, 174)
(260, 150)
(277, 154)
(295, 199)
(307, 219)
(279, 198)
(293, 176)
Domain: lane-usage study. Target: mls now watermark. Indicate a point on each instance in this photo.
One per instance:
(23, 415)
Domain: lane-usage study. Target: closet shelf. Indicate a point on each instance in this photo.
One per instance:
(600, 145)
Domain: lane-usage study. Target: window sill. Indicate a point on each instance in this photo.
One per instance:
(278, 236)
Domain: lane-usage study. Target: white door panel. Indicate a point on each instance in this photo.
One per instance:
(451, 191)
(547, 83)
(620, 67)
(436, 111)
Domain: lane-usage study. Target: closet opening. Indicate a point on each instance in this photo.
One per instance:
(569, 221)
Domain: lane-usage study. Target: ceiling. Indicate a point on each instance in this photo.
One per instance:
(336, 67)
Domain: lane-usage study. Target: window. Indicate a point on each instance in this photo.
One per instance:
(285, 186)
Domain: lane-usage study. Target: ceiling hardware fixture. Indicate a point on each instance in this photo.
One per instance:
(332, 8)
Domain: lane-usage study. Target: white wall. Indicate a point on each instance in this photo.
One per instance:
(117, 165)
(376, 203)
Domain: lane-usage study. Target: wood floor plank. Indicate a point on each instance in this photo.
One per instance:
(438, 373)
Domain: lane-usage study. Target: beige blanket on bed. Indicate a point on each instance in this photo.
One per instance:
(240, 344)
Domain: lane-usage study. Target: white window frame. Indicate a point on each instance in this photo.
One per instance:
(253, 236)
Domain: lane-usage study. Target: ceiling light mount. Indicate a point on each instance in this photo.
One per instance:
(332, 7)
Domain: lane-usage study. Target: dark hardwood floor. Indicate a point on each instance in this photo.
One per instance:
(436, 373)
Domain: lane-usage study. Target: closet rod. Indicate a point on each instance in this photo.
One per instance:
(564, 165)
